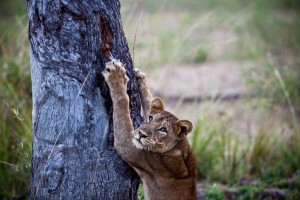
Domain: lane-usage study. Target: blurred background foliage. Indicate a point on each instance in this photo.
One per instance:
(229, 148)
(15, 101)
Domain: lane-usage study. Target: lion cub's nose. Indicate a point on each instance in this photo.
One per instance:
(142, 135)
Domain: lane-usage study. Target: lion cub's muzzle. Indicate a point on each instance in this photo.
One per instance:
(142, 134)
(139, 138)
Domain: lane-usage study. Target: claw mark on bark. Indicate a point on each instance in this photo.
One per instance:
(105, 35)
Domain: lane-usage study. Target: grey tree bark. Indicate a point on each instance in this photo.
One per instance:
(73, 155)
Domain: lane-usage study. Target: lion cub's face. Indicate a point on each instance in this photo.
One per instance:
(162, 131)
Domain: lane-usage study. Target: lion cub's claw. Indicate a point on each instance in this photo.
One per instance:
(114, 71)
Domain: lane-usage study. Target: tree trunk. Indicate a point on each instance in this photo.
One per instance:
(73, 155)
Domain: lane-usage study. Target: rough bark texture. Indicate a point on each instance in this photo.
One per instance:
(73, 154)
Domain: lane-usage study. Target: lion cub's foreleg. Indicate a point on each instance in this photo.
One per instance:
(115, 77)
(145, 94)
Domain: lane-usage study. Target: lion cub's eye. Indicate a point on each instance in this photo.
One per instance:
(150, 118)
(163, 129)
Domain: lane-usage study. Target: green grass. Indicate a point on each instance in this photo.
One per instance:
(226, 156)
(15, 102)
(213, 193)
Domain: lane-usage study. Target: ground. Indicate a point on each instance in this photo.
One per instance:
(231, 67)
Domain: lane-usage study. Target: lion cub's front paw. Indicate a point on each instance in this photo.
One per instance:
(115, 74)
(140, 76)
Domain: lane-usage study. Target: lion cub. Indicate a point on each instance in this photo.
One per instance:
(158, 150)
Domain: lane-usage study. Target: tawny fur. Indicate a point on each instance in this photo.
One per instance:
(158, 150)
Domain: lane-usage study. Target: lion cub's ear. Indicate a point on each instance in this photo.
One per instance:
(156, 105)
(184, 127)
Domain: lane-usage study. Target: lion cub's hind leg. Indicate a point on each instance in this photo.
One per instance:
(145, 94)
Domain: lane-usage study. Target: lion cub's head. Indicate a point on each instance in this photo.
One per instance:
(162, 131)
